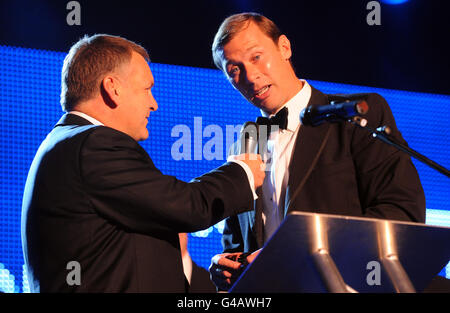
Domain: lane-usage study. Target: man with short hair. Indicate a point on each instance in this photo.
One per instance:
(93, 196)
(332, 168)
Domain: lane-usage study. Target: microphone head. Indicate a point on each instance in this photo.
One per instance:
(249, 138)
(249, 131)
(307, 116)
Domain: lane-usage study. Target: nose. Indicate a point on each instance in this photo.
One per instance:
(251, 73)
(153, 103)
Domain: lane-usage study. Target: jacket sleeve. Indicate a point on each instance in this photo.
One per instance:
(388, 183)
(126, 188)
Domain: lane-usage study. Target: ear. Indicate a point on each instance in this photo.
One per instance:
(111, 85)
(284, 45)
(110, 90)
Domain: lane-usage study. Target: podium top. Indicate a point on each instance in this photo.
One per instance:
(356, 245)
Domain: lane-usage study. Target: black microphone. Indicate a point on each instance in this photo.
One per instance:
(316, 115)
(249, 138)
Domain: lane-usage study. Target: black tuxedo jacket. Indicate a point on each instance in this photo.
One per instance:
(94, 196)
(341, 169)
(200, 280)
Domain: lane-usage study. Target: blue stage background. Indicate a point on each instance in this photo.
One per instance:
(195, 99)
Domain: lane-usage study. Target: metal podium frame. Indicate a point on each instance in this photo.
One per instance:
(313, 252)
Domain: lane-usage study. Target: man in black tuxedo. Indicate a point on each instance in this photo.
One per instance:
(332, 168)
(97, 215)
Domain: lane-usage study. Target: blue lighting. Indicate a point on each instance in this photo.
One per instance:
(394, 1)
(29, 107)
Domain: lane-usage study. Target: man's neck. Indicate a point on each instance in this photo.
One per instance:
(93, 110)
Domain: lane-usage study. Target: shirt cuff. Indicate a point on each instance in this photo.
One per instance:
(249, 173)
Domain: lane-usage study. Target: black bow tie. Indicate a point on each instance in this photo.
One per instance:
(279, 119)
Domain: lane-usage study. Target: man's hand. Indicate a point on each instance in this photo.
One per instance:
(256, 165)
(225, 269)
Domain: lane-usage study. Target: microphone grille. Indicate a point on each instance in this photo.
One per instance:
(305, 116)
(250, 130)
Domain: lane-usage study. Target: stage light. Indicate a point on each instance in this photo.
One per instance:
(394, 1)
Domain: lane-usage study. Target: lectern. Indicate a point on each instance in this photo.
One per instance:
(330, 253)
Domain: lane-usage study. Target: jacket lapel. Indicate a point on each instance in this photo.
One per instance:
(309, 144)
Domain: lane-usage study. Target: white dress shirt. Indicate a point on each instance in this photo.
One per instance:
(280, 147)
(87, 117)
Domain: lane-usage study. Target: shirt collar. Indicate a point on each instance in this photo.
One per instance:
(85, 116)
(295, 105)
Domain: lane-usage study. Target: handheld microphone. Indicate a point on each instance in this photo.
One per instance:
(316, 115)
(249, 138)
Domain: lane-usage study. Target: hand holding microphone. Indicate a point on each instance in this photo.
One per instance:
(248, 152)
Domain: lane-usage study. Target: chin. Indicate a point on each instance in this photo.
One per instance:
(270, 108)
(142, 137)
